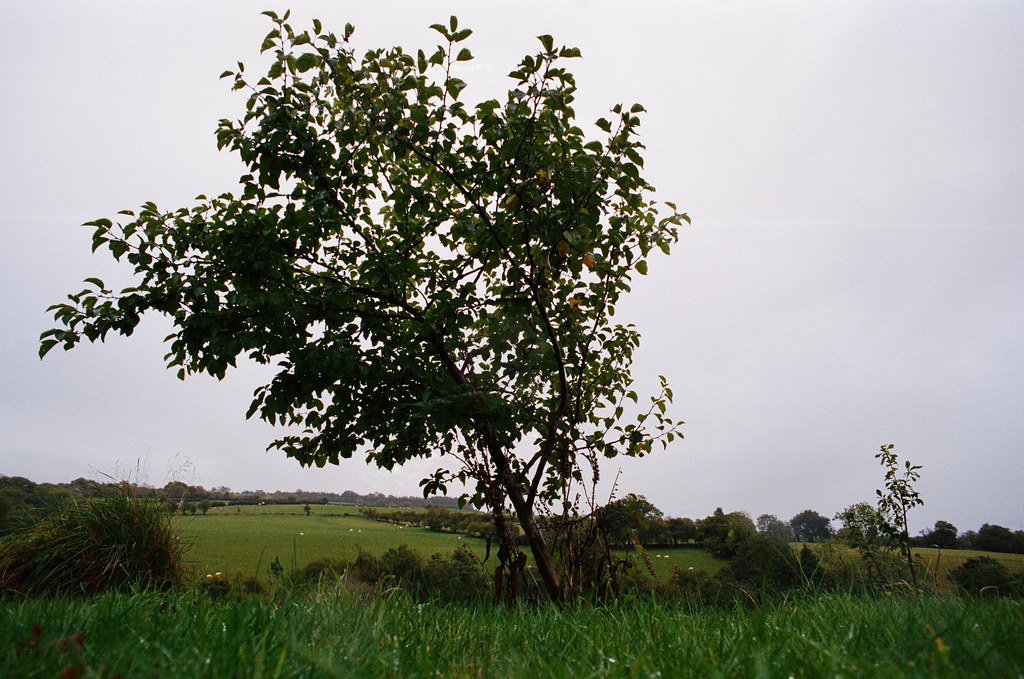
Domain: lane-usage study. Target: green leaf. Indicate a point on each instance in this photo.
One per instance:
(307, 61)
(637, 108)
(548, 42)
(641, 267)
(454, 86)
(118, 248)
(634, 156)
(45, 346)
(270, 40)
(453, 21)
(464, 55)
(461, 35)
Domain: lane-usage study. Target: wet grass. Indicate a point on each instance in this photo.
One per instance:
(324, 635)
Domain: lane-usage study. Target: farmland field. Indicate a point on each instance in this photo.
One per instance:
(247, 539)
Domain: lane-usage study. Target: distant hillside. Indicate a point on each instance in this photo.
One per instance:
(23, 502)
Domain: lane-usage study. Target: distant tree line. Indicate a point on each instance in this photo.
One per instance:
(24, 502)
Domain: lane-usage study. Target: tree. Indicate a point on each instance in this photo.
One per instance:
(772, 526)
(994, 538)
(863, 527)
(632, 513)
(810, 526)
(898, 498)
(681, 530)
(431, 278)
(725, 534)
(943, 535)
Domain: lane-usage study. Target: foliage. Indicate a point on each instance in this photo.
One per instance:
(723, 534)
(898, 498)
(864, 528)
(943, 535)
(763, 565)
(431, 278)
(456, 577)
(681, 530)
(323, 570)
(634, 513)
(23, 502)
(772, 526)
(994, 538)
(114, 542)
(810, 526)
(985, 575)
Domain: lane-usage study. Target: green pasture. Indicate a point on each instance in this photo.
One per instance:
(247, 539)
(933, 564)
(945, 560)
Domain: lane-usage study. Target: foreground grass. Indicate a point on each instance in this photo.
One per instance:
(329, 636)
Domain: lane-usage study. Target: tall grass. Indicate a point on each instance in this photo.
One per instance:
(320, 635)
(115, 542)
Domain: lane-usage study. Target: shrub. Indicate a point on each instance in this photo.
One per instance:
(983, 574)
(366, 568)
(764, 564)
(324, 569)
(405, 565)
(698, 588)
(813, 573)
(252, 585)
(117, 541)
(215, 585)
(458, 576)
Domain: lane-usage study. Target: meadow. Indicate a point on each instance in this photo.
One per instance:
(244, 540)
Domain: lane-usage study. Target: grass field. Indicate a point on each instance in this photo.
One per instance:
(949, 559)
(247, 539)
(319, 635)
(934, 565)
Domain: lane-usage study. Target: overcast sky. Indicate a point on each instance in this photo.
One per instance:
(854, 274)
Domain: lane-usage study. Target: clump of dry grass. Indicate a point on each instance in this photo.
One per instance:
(114, 542)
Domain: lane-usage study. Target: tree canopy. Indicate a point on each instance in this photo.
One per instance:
(429, 277)
(810, 526)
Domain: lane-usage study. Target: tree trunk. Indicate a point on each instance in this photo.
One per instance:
(541, 553)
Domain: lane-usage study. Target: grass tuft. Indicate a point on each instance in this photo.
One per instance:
(114, 542)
